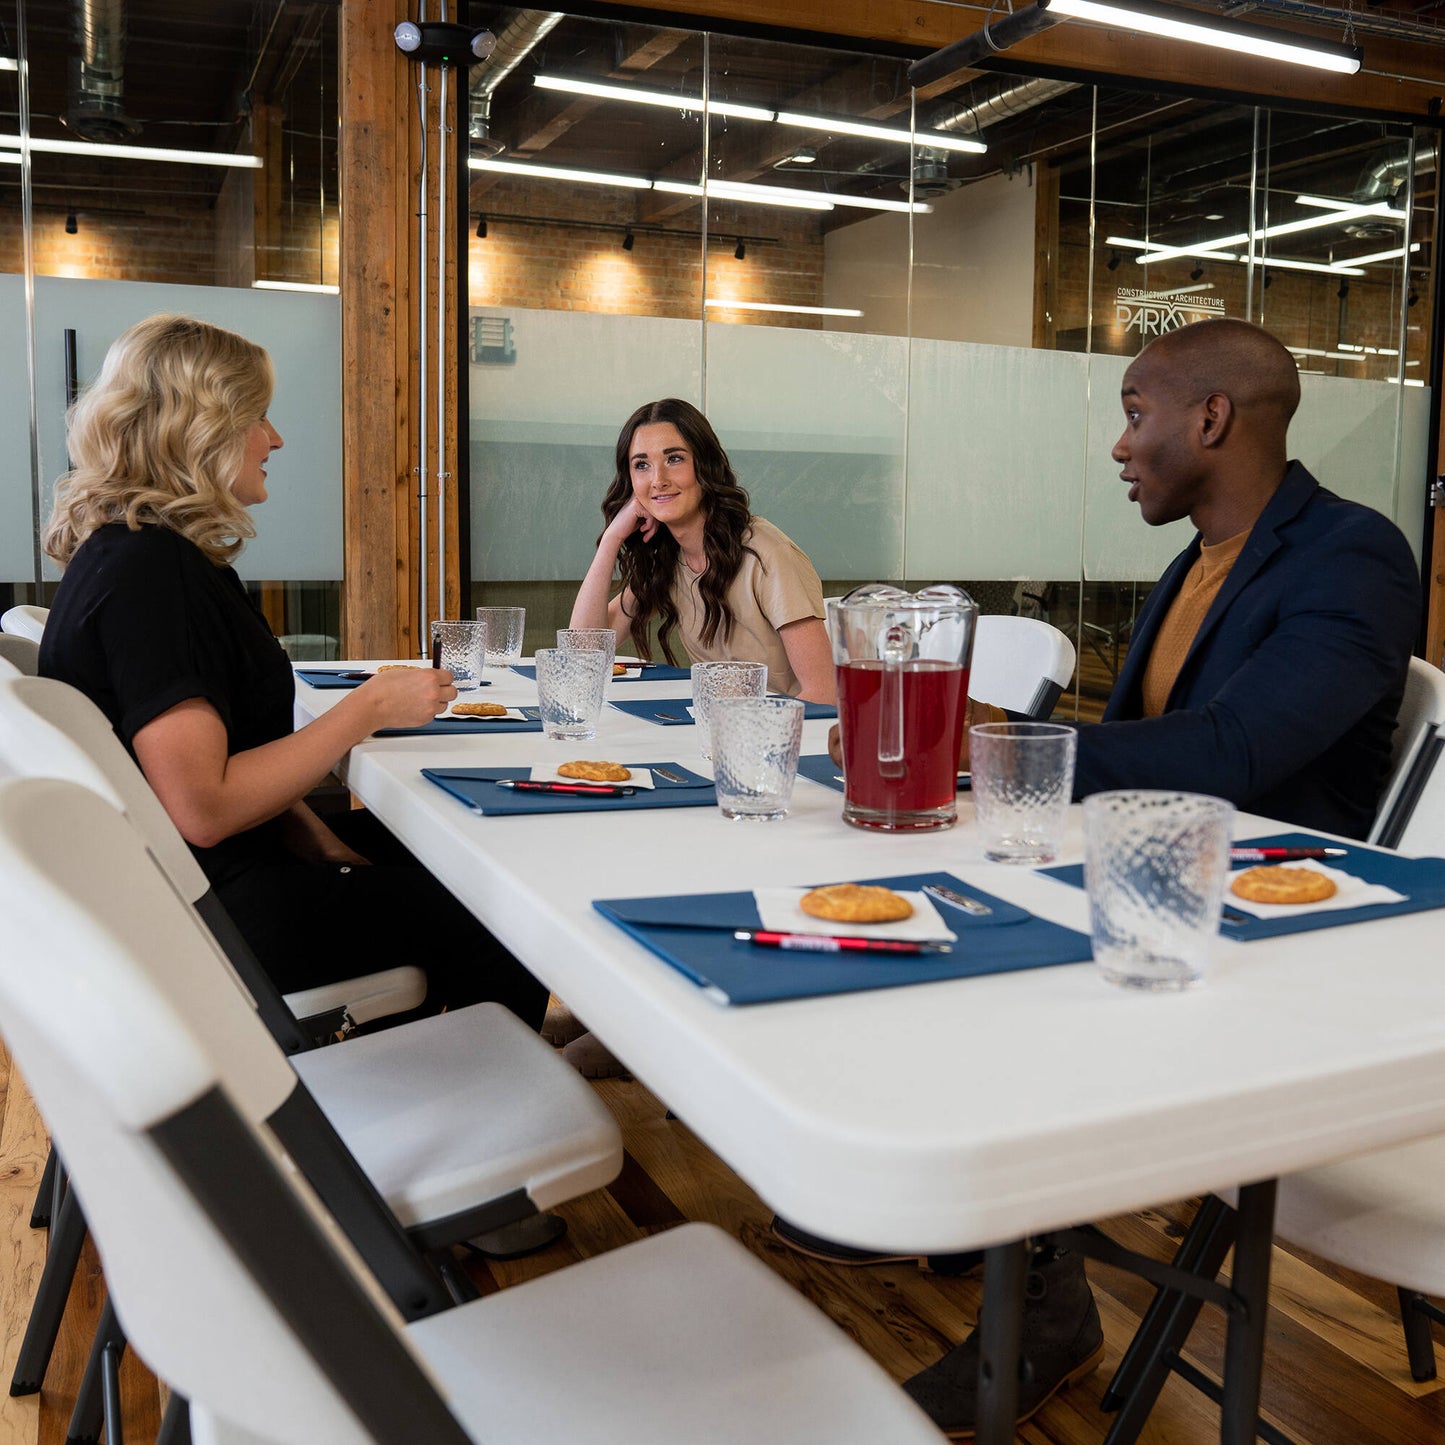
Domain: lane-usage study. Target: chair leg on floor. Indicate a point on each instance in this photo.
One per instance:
(67, 1236)
(42, 1210)
(89, 1414)
(1419, 1343)
(176, 1423)
(110, 1380)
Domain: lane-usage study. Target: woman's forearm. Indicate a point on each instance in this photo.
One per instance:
(591, 607)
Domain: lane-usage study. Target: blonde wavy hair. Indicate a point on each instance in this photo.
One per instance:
(159, 437)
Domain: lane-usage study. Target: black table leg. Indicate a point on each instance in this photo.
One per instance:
(1005, 1268)
(1244, 1344)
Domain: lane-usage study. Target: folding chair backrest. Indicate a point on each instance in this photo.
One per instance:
(236, 1288)
(25, 621)
(22, 653)
(1020, 663)
(1422, 713)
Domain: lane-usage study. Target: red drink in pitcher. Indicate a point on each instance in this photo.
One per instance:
(919, 790)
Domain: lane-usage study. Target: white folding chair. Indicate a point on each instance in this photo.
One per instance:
(1413, 748)
(22, 653)
(464, 1122)
(24, 620)
(245, 1295)
(1020, 663)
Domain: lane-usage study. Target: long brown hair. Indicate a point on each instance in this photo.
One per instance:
(648, 568)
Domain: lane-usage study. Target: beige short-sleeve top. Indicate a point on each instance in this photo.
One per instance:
(776, 586)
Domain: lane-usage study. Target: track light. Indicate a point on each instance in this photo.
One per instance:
(71, 225)
(481, 228)
(1344, 290)
(1197, 272)
(1268, 279)
(1413, 297)
(628, 241)
(1113, 262)
(740, 250)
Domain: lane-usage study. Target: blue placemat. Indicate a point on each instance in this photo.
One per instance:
(476, 787)
(672, 711)
(693, 933)
(1421, 880)
(822, 769)
(321, 677)
(653, 672)
(474, 726)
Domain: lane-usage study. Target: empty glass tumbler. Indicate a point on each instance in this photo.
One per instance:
(570, 686)
(505, 627)
(755, 745)
(714, 680)
(457, 646)
(1023, 782)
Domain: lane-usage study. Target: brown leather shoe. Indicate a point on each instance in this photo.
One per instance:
(1061, 1344)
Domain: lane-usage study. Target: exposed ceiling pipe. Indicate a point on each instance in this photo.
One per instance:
(515, 41)
(1387, 175)
(1002, 101)
(95, 108)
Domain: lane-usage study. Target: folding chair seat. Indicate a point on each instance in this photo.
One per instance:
(246, 1296)
(464, 1122)
(22, 653)
(1020, 663)
(1413, 751)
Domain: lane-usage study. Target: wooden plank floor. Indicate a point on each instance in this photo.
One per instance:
(1336, 1370)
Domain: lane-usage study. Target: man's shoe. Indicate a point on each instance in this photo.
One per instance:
(561, 1025)
(1062, 1343)
(816, 1247)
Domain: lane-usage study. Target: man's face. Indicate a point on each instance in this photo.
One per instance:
(1158, 451)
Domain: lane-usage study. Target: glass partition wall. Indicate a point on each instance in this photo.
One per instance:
(908, 316)
(156, 157)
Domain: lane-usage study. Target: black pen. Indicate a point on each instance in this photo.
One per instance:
(586, 790)
(818, 943)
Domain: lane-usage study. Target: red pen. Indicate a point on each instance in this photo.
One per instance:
(817, 943)
(1282, 855)
(589, 790)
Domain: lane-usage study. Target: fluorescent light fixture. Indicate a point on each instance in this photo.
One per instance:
(1394, 255)
(662, 98)
(559, 173)
(769, 306)
(741, 191)
(7, 158)
(938, 140)
(1194, 26)
(1336, 268)
(136, 153)
(296, 286)
(1285, 228)
(6, 63)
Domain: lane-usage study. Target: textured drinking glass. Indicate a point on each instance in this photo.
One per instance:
(590, 639)
(755, 745)
(714, 680)
(461, 651)
(1155, 866)
(1023, 781)
(570, 685)
(505, 626)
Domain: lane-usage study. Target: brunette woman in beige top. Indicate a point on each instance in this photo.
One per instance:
(692, 556)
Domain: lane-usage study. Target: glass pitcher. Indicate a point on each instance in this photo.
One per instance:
(903, 661)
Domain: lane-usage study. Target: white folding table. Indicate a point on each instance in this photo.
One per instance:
(945, 1116)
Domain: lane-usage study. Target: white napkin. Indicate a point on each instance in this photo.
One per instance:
(778, 909)
(512, 712)
(1350, 892)
(641, 777)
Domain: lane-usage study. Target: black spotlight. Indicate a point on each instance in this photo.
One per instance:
(1344, 290)
(481, 228)
(1197, 272)
(1113, 262)
(629, 241)
(71, 227)
(1268, 279)
(1413, 297)
(740, 250)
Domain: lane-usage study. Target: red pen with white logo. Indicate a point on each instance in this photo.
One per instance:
(818, 943)
(1282, 855)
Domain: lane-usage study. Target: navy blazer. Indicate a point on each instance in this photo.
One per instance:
(1287, 699)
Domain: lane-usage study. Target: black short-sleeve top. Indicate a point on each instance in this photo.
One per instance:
(141, 621)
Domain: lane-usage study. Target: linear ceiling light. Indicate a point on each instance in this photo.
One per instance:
(1394, 255)
(1334, 268)
(768, 306)
(1285, 228)
(559, 173)
(7, 63)
(8, 159)
(136, 153)
(1144, 17)
(939, 140)
(296, 286)
(741, 191)
(662, 98)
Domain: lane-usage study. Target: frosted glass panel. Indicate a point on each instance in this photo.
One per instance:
(299, 528)
(991, 496)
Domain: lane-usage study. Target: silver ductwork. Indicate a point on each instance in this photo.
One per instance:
(515, 41)
(1381, 181)
(95, 107)
(1002, 101)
